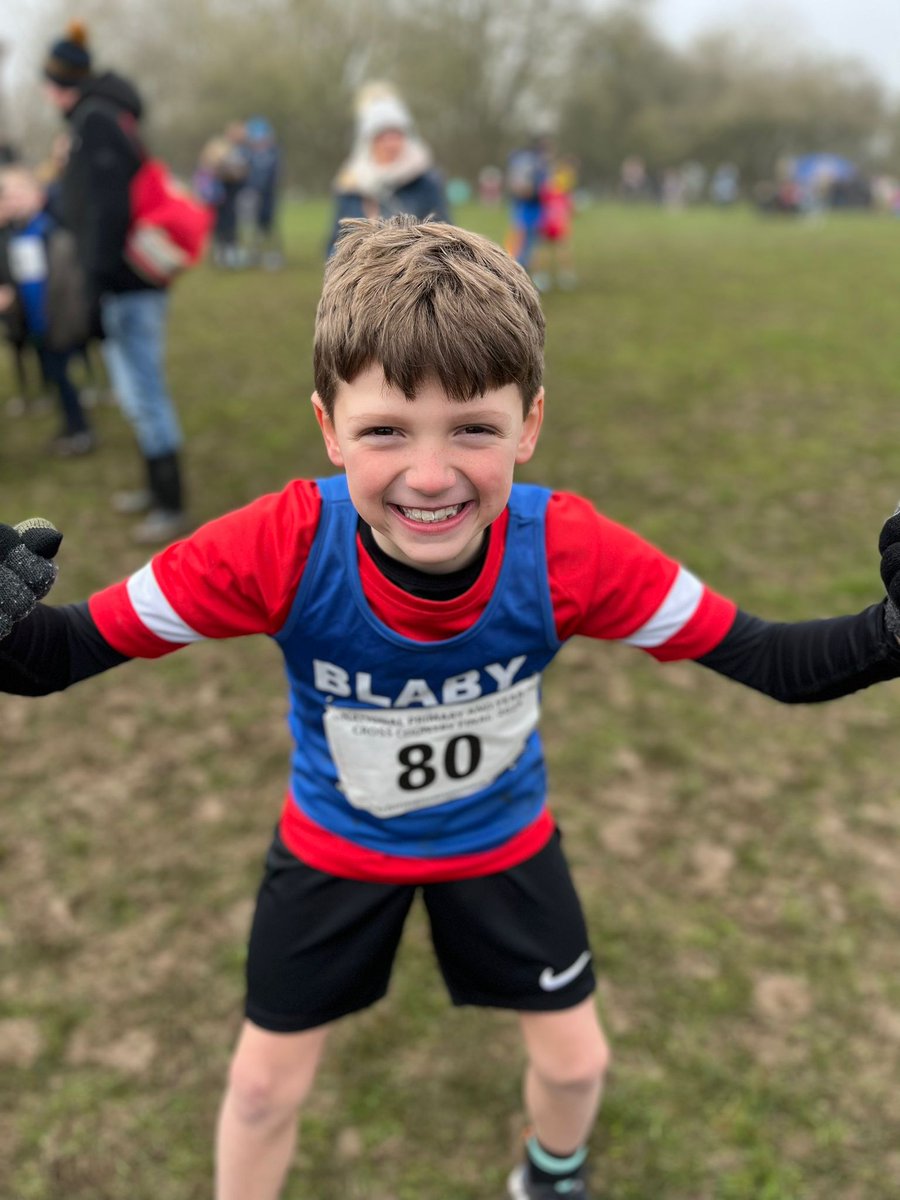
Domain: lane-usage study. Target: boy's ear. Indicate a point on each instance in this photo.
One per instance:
(327, 426)
(531, 429)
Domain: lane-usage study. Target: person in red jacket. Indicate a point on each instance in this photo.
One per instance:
(103, 113)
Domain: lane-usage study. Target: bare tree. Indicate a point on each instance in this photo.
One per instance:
(478, 77)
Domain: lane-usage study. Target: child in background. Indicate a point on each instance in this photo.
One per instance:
(263, 179)
(554, 261)
(527, 170)
(226, 158)
(46, 294)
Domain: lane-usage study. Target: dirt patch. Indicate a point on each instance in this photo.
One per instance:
(712, 866)
(624, 836)
(21, 1042)
(349, 1145)
(131, 1054)
(782, 999)
(887, 1022)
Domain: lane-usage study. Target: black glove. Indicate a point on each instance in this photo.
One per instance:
(889, 545)
(26, 573)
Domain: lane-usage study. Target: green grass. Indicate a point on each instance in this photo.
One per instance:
(724, 383)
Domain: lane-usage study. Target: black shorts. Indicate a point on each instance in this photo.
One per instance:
(322, 947)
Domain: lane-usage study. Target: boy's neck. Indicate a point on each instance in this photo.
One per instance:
(424, 584)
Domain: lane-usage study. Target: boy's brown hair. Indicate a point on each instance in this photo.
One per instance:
(425, 300)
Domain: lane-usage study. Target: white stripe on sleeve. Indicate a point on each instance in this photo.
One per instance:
(155, 611)
(673, 614)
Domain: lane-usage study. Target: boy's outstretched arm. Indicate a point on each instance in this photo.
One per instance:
(237, 575)
(805, 662)
(809, 661)
(42, 649)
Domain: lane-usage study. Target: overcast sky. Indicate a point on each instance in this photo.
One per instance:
(867, 29)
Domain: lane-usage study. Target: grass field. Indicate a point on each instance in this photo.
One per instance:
(728, 385)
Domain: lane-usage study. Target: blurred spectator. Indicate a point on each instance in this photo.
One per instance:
(205, 180)
(490, 185)
(106, 152)
(228, 160)
(693, 182)
(527, 172)
(554, 260)
(724, 188)
(263, 173)
(886, 194)
(390, 170)
(42, 297)
(672, 188)
(634, 183)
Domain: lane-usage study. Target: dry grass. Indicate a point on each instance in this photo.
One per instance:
(728, 386)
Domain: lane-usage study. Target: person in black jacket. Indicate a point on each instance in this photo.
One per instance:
(103, 111)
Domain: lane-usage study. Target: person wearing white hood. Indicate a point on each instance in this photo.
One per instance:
(390, 169)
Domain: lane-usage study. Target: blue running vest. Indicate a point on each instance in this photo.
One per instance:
(422, 749)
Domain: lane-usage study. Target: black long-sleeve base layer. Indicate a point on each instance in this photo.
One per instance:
(801, 662)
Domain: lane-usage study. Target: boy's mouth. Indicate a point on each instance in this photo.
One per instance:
(430, 516)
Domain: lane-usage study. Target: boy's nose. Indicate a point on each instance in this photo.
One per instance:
(430, 474)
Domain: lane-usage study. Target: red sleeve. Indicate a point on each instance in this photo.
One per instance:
(607, 582)
(236, 575)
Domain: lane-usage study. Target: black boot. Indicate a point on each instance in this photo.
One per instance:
(167, 519)
(165, 483)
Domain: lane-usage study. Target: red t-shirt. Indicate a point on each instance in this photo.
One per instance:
(239, 575)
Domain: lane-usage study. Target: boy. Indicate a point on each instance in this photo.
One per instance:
(416, 598)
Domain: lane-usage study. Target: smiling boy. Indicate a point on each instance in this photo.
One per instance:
(417, 598)
(428, 478)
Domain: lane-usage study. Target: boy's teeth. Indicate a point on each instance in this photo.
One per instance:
(429, 515)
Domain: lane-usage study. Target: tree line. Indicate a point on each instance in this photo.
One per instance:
(480, 77)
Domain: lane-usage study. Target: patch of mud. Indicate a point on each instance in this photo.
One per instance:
(349, 1146)
(21, 1042)
(712, 865)
(624, 836)
(131, 1054)
(887, 1022)
(782, 999)
(699, 967)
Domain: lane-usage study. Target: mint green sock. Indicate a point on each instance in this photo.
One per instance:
(545, 1167)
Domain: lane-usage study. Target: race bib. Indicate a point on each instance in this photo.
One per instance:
(393, 761)
(27, 259)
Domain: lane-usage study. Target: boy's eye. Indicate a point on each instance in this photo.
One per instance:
(380, 431)
(476, 429)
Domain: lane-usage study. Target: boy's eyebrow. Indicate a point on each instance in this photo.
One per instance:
(468, 411)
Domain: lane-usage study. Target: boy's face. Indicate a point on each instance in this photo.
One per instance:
(428, 475)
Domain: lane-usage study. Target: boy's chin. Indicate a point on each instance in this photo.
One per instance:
(435, 559)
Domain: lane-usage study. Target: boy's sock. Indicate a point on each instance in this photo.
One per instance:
(544, 1167)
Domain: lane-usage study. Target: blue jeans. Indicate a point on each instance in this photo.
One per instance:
(134, 324)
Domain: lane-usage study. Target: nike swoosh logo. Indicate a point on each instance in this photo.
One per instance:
(551, 982)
